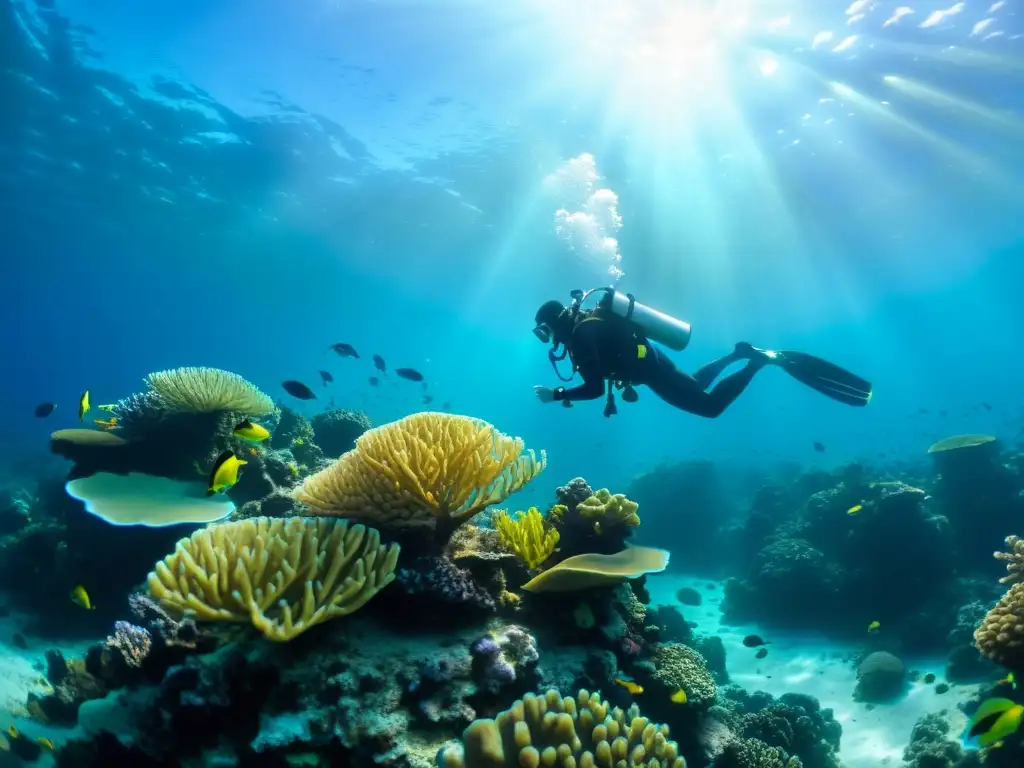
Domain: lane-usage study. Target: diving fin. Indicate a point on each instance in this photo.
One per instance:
(825, 377)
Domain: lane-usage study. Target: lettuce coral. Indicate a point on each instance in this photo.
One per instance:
(550, 730)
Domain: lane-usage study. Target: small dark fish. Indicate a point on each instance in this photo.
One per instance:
(986, 406)
(754, 641)
(45, 409)
(345, 350)
(425, 387)
(411, 374)
(298, 389)
(943, 413)
(326, 377)
(428, 399)
(446, 406)
(379, 364)
(819, 447)
(374, 381)
(761, 653)
(922, 410)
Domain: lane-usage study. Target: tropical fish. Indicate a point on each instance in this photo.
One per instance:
(874, 626)
(410, 374)
(83, 405)
(298, 389)
(753, 641)
(679, 697)
(995, 720)
(326, 378)
(374, 381)
(986, 406)
(345, 350)
(428, 399)
(109, 407)
(446, 406)
(250, 432)
(379, 364)
(629, 684)
(855, 509)
(45, 743)
(45, 409)
(819, 447)
(1010, 679)
(79, 596)
(12, 731)
(224, 473)
(761, 653)
(106, 424)
(298, 441)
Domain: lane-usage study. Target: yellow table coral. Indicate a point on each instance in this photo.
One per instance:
(527, 535)
(284, 575)
(426, 471)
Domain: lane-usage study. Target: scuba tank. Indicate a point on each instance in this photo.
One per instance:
(657, 326)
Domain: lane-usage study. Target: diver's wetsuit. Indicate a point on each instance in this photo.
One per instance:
(606, 349)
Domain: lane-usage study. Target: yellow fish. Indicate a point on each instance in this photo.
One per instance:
(224, 473)
(679, 697)
(1008, 680)
(83, 405)
(874, 626)
(12, 731)
(298, 441)
(45, 743)
(109, 408)
(250, 432)
(108, 425)
(630, 685)
(994, 721)
(80, 597)
(855, 509)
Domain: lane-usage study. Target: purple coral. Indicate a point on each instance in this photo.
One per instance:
(499, 658)
(573, 493)
(440, 578)
(132, 642)
(183, 634)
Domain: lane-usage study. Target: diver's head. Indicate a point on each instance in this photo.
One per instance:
(553, 323)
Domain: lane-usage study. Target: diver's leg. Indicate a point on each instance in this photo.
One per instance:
(706, 376)
(685, 392)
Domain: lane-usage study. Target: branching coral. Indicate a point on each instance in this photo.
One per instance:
(425, 470)
(549, 730)
(1001, 634)
(283, 575)
(1014, 560)
(207, 390)
(527, 535)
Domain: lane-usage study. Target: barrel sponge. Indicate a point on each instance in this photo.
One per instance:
(1000, 636)
(679, 666)
(207, 390)
(421, 470)
(548, 730)
(260, 569)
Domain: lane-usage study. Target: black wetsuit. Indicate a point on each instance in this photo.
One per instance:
(607, 349)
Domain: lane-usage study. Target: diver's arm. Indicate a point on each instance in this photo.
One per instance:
(588, 364)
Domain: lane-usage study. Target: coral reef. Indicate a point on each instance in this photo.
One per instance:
(337, 430)
(501, 658)
(527, 535)
(256, 570)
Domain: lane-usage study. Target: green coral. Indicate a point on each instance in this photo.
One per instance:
(751, 753)
(679, 666)
(605, 510)
(527, 536)
(550, 730)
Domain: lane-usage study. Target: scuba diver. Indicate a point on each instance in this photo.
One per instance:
(613, 343)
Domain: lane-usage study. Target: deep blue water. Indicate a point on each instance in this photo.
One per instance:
(240, 185)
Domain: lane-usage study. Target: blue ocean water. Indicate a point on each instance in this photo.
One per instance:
(242, 185)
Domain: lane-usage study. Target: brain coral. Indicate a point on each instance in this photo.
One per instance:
(678, 666)
(547, 730)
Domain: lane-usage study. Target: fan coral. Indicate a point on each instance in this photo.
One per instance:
(248, 570)
(527, 535)
(207, 390)
(425, 471)
(549, 730)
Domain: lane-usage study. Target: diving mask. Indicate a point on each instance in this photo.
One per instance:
(543, 332)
